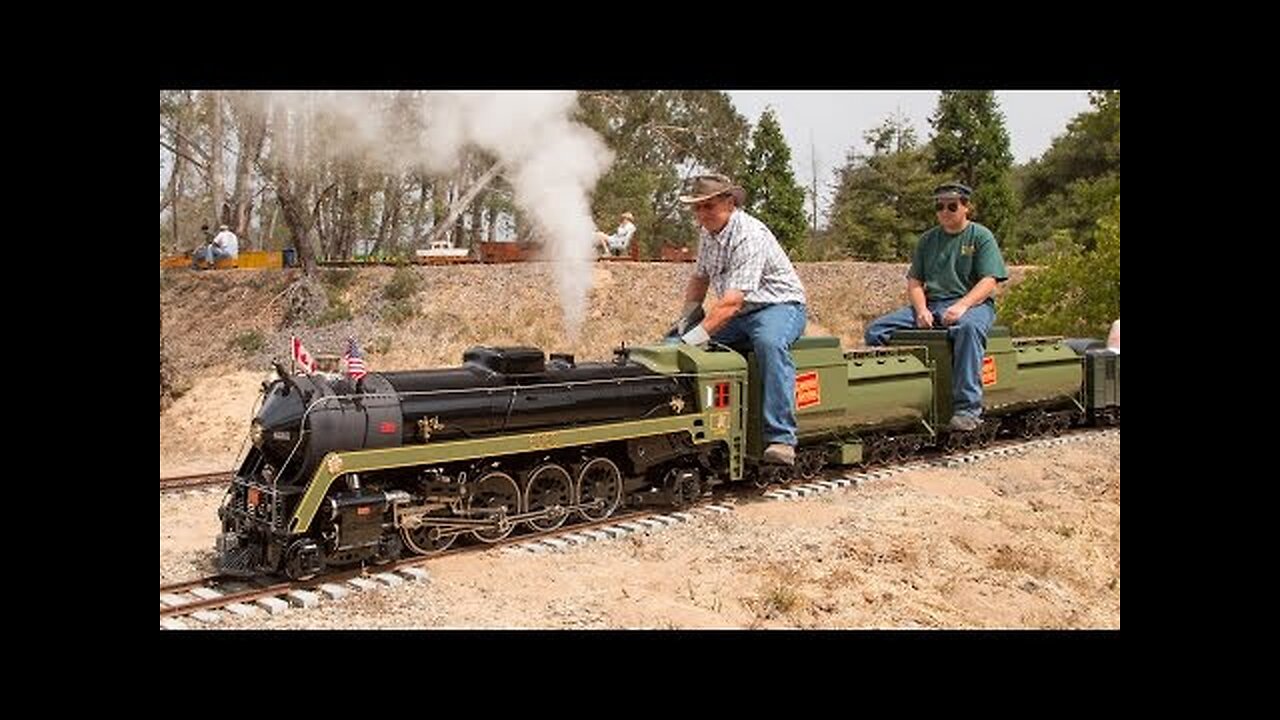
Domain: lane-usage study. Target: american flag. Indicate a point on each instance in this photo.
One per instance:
(355, 363)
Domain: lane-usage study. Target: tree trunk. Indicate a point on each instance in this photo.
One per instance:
(397, 204)
(350, 190)
(175, 182)
(269, 227)
(420, 212)
(390, 208)
(295, 218)
(456, 211)
(477, 215)
(216, 189)
(251, 131)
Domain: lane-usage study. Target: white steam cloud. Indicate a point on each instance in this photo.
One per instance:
(551, 161)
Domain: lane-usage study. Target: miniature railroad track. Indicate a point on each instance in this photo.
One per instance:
(202, 597)
(183, 482)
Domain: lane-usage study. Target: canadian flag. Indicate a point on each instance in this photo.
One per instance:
(302, 357)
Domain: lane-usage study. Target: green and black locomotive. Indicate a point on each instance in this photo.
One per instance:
(342, 473)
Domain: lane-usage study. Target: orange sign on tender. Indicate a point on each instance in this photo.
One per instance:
(808, 391)
(988, 371)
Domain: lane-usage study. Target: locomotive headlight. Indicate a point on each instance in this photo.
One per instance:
(255, 434)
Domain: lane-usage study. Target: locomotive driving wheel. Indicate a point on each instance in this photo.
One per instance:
(549, 486)
(426, 540)
(599, 484)
(493, 491)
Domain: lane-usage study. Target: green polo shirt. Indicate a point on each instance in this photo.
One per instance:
(950, 265)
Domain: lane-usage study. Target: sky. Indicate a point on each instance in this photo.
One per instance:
(832, 122)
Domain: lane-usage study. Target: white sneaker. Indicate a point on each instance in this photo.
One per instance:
(964, 423)
(780, 454)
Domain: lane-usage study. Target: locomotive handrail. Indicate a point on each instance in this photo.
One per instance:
(882, 350)
(1037, 340)
(538, 386)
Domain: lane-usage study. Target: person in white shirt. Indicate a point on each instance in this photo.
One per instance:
(620, 241)
(1113, 340)
(224, 245)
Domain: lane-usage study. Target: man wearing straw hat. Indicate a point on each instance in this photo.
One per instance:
(761, 301)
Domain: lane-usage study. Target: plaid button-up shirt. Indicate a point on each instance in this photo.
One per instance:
(746, 256)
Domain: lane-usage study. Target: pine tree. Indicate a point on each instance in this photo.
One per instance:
(773, 195)
(971, 145)
(883, 200)
(1066, 190)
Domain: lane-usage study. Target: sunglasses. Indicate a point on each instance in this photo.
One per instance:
(949, 207)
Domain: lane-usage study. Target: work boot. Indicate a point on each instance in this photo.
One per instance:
(780, 454)
(964, 423)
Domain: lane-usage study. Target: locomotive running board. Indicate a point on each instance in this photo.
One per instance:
(338, 463)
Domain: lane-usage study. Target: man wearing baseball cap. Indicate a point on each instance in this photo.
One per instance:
(953, 273)
(761, 301)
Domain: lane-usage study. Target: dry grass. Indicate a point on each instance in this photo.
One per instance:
(778, 595)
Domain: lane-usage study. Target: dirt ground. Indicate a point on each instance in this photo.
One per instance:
(1029, 542)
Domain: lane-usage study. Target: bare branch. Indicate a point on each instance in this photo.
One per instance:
(185, 156)
(315, 213)
(607, 98)
(463, 202)
(177, 133)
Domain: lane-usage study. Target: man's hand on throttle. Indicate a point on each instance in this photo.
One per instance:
(696, 336)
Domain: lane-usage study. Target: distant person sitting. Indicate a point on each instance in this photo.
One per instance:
(223, 246)
(618, 243)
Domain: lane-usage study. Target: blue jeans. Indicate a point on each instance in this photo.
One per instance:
(968, 344)
(771, 331)
(210, 254)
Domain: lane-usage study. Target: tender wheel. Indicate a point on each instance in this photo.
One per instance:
(775, 474)
(549, 486)
(810, 463)
(599, 484)
(425, 540)
(496, 490)
(683, 485)
(1027, 426)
